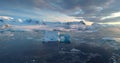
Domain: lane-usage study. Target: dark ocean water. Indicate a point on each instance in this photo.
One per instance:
(22, 50)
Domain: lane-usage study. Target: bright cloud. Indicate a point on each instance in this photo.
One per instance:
(113, 15)
(61, 10)
(111, 23)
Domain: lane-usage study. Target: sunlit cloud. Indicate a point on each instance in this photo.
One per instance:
(111, 23)
(113, 15)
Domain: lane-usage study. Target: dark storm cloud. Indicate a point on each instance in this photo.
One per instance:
(92, 10)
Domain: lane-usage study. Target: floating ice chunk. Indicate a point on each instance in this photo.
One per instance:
(108, 38)
(75, 50)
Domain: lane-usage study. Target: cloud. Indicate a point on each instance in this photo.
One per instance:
(88, 6)
(113, 15)
(91, 10)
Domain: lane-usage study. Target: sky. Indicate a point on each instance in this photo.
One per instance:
(63, 10)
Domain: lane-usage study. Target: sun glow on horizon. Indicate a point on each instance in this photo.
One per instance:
(111, 23)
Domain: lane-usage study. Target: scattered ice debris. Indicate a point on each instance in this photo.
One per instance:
(74, 50)
(33, 60)
(108, 38)
(6, 33)
(29, 38)
(38, 39)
